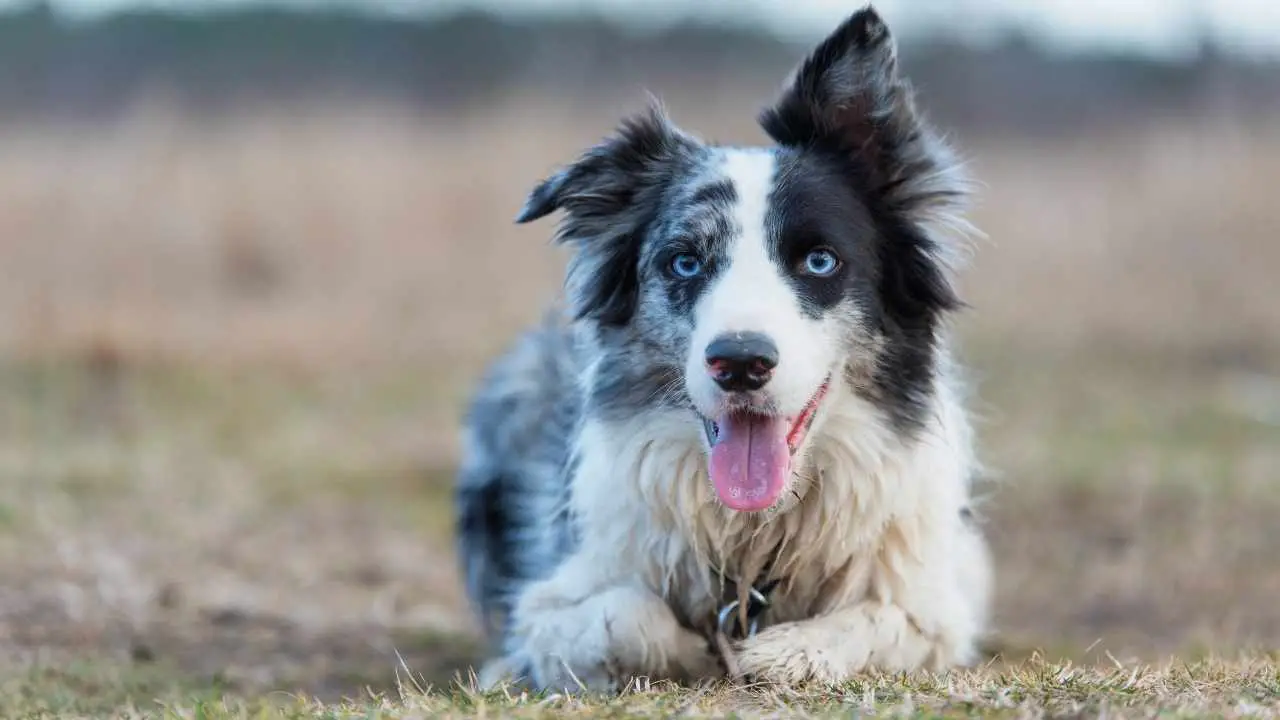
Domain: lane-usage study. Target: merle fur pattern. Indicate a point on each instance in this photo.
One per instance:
(852, 167)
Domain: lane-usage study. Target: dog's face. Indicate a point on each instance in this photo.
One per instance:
(740, 284)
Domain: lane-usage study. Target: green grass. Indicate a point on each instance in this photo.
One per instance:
(1035, 688)
(97, 689)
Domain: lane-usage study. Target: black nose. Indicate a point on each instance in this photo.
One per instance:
(741, 361)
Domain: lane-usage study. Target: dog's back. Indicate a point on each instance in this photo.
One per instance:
(511, 493)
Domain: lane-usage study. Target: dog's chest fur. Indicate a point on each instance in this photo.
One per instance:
(824, 544)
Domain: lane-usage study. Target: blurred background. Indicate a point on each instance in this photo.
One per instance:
(254, 255)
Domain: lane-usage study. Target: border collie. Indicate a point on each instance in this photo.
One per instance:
(740, 446)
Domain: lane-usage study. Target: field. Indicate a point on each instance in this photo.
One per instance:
(232, 356)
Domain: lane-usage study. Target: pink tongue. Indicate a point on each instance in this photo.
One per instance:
(750, 461)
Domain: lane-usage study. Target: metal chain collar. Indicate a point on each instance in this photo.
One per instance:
(729, 620)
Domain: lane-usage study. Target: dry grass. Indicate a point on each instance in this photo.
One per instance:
(1209, 688)
(1032, 689)
(336, 234)
(232, 358)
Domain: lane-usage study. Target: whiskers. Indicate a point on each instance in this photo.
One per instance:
(671, 392)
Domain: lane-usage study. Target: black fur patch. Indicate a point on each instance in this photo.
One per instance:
(848, 106)
(840, 91)
(814, 204)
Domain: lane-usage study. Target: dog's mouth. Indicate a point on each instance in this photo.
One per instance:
(751, 453)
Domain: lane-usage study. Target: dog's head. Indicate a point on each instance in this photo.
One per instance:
(742, 284)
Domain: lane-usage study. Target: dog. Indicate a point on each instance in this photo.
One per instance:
(738, 445)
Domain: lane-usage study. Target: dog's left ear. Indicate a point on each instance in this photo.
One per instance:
(847, 96)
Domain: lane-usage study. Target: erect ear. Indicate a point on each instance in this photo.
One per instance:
(609, 196)
(847, 96)
(842, 90)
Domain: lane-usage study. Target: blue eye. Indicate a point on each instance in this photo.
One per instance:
(821, 262)
(686, 266)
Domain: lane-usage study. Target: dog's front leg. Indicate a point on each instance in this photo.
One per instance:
(924, 614)
(572, 633)
(833, 648)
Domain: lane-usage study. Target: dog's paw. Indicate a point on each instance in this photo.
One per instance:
(800, 652)
(690, 661)
(602, 641)
(694, 660)
(545, 672)
(553, 674)
(504, 670)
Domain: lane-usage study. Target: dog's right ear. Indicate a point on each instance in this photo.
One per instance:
(545, 198)
(607, 178)
(610, 195)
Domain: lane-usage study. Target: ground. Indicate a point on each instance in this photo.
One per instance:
(231, 398)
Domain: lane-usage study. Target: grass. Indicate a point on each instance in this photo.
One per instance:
(199, 554)
(1032, 688)
(232, 360)
(1216, 688)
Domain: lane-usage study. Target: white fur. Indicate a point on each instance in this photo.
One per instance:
(880, 567)
(881, 570)
(751, 295)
